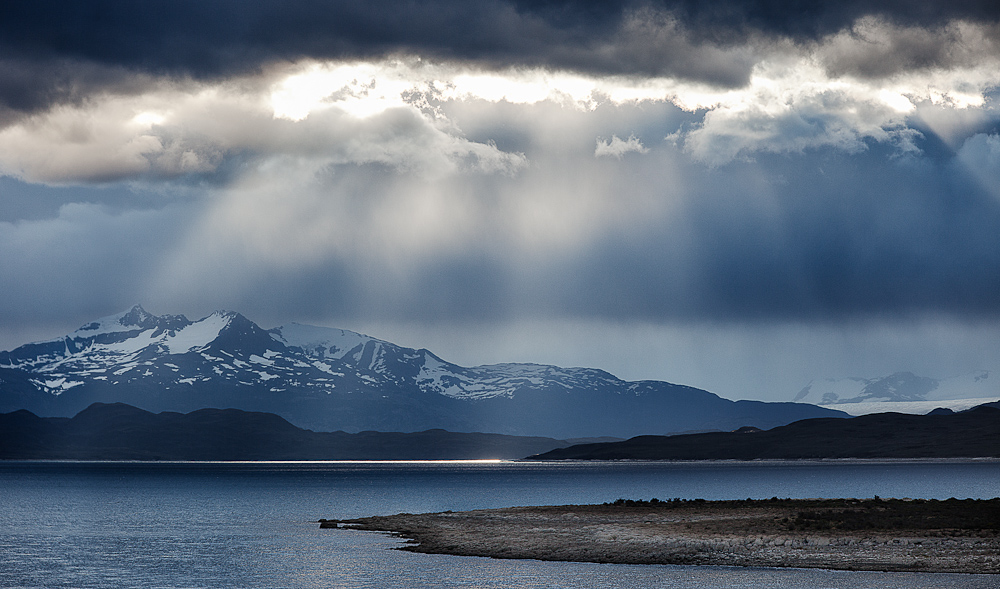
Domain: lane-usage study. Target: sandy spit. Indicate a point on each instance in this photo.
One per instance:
(752, 533)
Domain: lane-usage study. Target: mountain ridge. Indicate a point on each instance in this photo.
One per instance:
(333, 379)
(974, 433)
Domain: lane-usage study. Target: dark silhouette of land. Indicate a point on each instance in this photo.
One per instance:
(972, 433)
(122, 432)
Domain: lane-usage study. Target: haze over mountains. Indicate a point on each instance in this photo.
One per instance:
(902, 392)
(331, 379)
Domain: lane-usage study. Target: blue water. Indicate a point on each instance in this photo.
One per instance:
(253, 525)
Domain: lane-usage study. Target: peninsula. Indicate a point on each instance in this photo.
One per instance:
(847, 534)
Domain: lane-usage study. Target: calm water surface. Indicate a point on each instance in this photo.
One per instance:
(253, 524)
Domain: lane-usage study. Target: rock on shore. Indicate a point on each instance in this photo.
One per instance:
(875, 535)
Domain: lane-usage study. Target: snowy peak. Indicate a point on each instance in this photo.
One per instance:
(374, 361)
(136, 348)
(386, 364)
(120, 339)
(138, 316)
(226, 346)
(235, 333)
(135, 319)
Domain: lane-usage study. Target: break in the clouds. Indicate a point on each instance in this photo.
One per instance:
(648, 165)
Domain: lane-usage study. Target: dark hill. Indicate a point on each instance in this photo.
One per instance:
(122, 432)
(972, 433)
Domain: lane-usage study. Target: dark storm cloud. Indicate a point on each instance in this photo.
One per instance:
(32, 83)
(55, 51)
(811, 19)
(211, 37)
(220, 38)
(874, 50)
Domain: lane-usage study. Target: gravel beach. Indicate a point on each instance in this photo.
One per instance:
(872, 534)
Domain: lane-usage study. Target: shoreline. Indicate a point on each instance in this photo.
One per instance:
(863, 535)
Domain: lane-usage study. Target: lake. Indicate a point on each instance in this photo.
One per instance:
(174, 525)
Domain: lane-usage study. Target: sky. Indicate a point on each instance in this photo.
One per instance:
(741, 196)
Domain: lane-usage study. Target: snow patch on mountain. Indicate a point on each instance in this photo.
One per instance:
(56, 386)
(504, 380)
(321, 342)
(198, 334)
(438, 376)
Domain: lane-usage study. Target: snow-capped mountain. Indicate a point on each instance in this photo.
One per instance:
(138, 347)
(385, 363)
(903, 392)
(328, 379)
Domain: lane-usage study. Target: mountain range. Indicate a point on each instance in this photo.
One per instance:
(902, 392)
(332, 379)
